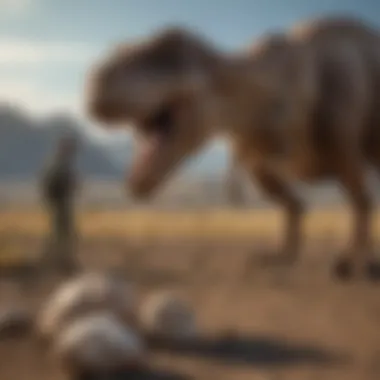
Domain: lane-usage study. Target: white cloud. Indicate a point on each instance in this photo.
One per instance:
(18, 60)
(17, 51)
(36, 99)
(20, 86)
(16, 7)
(39, 102)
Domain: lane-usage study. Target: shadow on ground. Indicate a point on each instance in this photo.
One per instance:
(146, 374)
(141, 374)
(254, 351)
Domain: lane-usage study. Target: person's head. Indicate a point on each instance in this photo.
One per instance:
(162, 89)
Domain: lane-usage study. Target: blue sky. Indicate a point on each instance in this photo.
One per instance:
(46, 45)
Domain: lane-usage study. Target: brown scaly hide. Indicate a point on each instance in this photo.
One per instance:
(298, 104)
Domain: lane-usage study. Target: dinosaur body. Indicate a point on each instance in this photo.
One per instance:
(298, 104)
(323, 86)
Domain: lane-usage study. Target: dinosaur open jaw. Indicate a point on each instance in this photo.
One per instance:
(154, 155)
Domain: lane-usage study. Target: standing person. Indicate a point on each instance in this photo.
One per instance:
(59, 185)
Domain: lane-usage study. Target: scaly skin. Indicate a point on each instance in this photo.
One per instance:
(295, 105)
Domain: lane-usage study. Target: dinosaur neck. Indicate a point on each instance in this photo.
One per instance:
(252, 96)
(232, 88)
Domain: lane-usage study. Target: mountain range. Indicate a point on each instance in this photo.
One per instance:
(25, 142)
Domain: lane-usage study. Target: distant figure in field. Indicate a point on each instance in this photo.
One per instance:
(59, 185)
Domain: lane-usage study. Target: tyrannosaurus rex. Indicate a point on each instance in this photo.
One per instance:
(297, 104)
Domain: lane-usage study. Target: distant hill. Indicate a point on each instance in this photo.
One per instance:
(25, 143)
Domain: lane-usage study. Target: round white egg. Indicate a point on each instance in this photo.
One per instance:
(167, 315)
(98, 343)
(86, 294)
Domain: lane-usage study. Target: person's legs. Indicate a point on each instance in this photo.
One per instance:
(66, 237)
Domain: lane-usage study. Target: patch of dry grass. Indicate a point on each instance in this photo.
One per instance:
(221, 224)
(14, 251)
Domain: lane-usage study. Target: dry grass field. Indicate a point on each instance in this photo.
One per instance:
(200, 224)
(258, 323)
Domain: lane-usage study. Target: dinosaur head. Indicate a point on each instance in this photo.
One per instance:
(161, 88)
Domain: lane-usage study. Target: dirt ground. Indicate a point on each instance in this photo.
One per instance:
(257, 323)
